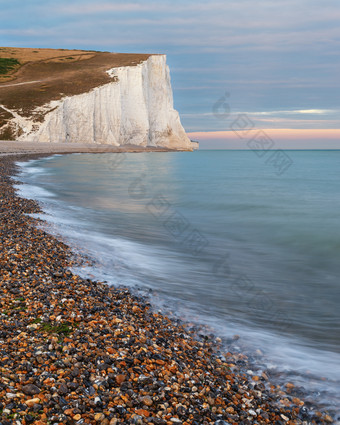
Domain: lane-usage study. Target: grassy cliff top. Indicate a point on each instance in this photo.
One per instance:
(10, 56)
(32, 77)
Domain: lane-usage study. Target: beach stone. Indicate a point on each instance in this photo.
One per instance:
(30, 389)
(32, 402)
(37, 407)
(120, 379)
(99, 417)
(63, 390)
(137, 420)
(147, 400)
(10, 395)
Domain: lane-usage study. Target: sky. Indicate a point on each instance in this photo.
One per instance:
(272, 66)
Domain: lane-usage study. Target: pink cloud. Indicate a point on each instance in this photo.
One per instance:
(283, 138)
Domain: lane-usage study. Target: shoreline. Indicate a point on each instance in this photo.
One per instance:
(107, 358)
(30, 148)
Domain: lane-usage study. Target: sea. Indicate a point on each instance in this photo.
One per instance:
(237, 244)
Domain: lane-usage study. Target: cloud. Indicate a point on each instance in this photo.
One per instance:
(99, 8)
(282, 133)
(275, 113)
(213, 27)
(282, 138)
(296, 111)
(262, 14)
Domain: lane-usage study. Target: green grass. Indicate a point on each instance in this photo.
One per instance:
(63, 328)
(7, 65)
(11, 416)
(20, 299)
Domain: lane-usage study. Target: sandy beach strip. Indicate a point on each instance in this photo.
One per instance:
(76, 351)
(23, 148)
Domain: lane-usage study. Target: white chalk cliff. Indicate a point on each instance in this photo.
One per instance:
(136, 108)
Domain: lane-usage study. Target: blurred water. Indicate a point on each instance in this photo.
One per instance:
(220, 238)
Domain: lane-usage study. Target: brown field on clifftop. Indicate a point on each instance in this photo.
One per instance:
(25, 55)
(49, 74)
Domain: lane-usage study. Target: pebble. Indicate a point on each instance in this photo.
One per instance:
(120, 379)
(99, 417)
(9, 395)
(30, 389)
(32, 402)
(147, 400)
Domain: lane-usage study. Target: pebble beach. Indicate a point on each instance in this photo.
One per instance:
(76, 351)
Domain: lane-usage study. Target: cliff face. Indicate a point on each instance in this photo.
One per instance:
(134, 107)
